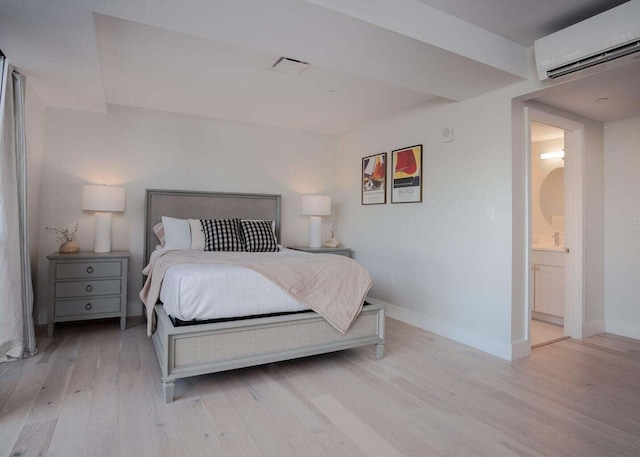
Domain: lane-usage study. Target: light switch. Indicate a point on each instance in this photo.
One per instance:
(489, 215)
(636, 218)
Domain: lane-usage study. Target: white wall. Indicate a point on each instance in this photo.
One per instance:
(35, 127)
(594, 221)
(440, 264)
(141, 149)
(622, 234)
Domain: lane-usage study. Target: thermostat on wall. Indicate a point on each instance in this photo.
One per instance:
(447, 134)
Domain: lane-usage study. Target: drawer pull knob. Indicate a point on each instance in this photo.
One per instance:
(89, 269)
(89, 288)
(87, 306)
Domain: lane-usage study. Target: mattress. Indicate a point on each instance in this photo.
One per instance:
(217, 291)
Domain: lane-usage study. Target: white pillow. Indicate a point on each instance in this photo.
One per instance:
(197, 235)
(177, 234)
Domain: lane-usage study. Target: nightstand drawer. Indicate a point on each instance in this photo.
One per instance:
(87, 285)
(87, 306)
(87, 288)
(88, 270)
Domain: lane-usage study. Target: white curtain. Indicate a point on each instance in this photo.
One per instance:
(17, 336)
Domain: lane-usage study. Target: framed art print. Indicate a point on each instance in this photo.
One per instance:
(406, 166)
(374, 179)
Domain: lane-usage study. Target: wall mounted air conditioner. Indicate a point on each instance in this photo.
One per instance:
(598, 43)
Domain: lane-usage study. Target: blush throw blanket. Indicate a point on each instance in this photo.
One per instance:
(333, 286)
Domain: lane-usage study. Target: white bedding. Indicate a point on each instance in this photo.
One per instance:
(214, 291)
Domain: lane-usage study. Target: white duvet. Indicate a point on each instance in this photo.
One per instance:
(214, 291)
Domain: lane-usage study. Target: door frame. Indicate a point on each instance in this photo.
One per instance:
(574, 306)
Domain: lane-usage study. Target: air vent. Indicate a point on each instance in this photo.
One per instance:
(290, 66)
(610, 39)
(600, 58)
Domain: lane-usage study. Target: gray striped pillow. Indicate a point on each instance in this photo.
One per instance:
(222, 235)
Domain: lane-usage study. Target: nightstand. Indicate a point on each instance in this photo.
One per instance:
(322, 250)
(86, 286)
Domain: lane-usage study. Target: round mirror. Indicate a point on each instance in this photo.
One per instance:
(552, 194)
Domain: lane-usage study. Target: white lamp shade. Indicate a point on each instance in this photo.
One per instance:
(316, 205)
(103, 198)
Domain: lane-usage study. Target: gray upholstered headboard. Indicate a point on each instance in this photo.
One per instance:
(205, 205)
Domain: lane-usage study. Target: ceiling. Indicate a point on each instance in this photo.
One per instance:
(606, 96)
(543, 132)
(368, 59)
(523, 21)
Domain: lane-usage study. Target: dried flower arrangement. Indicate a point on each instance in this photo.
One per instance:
(332, 242)
(68, 239)
(64, 235)
(333, 230)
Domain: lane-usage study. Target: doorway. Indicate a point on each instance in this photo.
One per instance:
(554, 308)
(547, 201)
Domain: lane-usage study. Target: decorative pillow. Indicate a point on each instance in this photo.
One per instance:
(258, 236)
(222, 235)
(158, 229)
(197, 235)
(273, 224)
(177, 234)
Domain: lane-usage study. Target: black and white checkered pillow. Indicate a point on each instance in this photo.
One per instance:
(258, 236)
(222, 235)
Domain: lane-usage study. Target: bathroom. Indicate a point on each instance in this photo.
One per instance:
(547, 234)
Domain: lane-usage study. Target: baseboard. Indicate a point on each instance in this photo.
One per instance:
(484, 343)
(520, 349)
(557, 320)
(623, 329)
(593, 328)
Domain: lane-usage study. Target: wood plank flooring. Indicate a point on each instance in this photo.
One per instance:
(94, 390)
(544, 333)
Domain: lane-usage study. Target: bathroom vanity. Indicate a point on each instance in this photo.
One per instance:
(547, 263)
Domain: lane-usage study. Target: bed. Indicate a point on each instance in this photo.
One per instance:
(192, 350)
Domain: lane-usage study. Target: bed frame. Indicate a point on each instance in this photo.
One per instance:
(209, 348)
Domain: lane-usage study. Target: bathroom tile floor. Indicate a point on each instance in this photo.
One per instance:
(543, 333)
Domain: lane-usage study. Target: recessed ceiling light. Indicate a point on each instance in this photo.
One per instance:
(290, 66)
(602, 100)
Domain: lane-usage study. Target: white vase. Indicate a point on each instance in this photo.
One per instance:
(69, 247)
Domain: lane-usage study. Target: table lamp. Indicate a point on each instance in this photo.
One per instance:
(104, 200)
(315, 206)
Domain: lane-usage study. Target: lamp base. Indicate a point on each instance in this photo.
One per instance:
(102, 234)
(315, 225)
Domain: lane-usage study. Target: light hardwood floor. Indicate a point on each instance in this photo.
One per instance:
(94, 390)
(545, 333)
